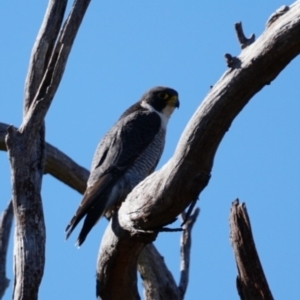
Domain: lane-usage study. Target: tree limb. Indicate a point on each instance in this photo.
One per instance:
(185, 249)
(158, 281)
(5, 228)
(43, 48)
(58, 164)
(166, 193)
(26, 146)
(251, 280)
(54, 70)
(244, 42)
(120, 264)
(66, 170)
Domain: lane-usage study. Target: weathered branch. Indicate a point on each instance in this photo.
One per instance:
(26, 146)
(5, 228)
(43, 48)
(165, 194)
(53, 72)
(26, 154)
(244, 42)
(251, 280)
(120, 264)
(58, 164)
(185, 250)
(277, 14)
(63, 168)
(158, 281)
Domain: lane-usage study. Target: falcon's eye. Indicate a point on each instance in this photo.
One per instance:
(163, 95)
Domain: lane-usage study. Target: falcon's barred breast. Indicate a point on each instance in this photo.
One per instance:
(127, 154)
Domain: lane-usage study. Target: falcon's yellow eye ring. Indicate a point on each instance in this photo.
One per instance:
(163, 95)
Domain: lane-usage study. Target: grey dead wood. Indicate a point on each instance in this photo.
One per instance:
(244, 42)
(26, 154)
(5, 228)
(26, 145)
(185, 250)
(57, 164)
(122, 263)
(165, 194)
(251, 281)
(270, 54)
(158, 281)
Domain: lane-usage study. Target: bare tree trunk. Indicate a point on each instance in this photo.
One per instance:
(251, 281)
(26, 146)
(29, 242)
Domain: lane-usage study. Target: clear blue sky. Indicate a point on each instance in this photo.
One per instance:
(122, 49)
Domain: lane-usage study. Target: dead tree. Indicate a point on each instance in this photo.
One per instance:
(161, 197)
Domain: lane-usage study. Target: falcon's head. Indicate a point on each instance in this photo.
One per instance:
(163, 99)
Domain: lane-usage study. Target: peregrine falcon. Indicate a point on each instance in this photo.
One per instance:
(126, 155)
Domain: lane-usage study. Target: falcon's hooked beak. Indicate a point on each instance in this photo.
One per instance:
(174, 101)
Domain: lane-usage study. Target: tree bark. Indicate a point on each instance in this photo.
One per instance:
(5, 228)
(165, 194)
(185, 250)
(58, 164)
(158, 281)
(121, 264)
(251, 281)
(26, 146)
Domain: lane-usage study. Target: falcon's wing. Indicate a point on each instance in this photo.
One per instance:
(123, 144)
(117, 151)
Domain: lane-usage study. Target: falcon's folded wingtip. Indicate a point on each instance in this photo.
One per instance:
(69, 230)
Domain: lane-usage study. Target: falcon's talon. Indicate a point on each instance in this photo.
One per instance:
(188, 213)
(167, 229)
(159, 229)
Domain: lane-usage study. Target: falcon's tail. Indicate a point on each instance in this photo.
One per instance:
(73, 223)
(93, 205)
(91, 219)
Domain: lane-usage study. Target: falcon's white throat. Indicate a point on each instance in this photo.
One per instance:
(164, 116)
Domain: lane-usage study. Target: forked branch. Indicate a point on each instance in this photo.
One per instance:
(26, 145)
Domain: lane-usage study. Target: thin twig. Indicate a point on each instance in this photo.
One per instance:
(244, 42)
(185, 250)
